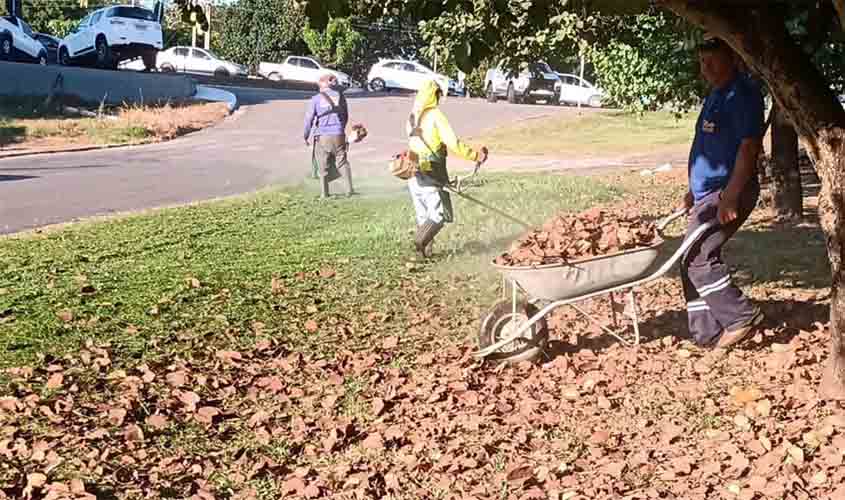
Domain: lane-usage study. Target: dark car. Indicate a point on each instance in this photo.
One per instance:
(50, 43)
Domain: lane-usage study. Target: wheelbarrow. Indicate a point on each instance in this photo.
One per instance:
(515, 329)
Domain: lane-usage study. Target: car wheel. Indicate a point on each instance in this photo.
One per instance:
(378, 85)
(595, 101)
(511, 94)
(64, 57)
(221, 73)
(275, 77)
(491, 95)
(104, 56)
(6, 49)
(167, 68)
(42, 58)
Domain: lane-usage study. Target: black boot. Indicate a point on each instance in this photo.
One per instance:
(425, 236)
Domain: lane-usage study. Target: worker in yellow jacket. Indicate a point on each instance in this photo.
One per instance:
(431, 137)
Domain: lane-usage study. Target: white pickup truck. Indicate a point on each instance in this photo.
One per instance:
(537, 82)
(300, 69)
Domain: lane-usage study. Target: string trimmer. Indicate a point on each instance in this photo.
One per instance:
(458, 187)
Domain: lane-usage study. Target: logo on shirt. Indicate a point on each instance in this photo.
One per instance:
(708, 126)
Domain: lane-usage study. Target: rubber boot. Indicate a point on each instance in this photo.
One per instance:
(347, 174)
(425, 236)
(324, 186)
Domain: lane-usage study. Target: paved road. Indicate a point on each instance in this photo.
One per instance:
(259, 146)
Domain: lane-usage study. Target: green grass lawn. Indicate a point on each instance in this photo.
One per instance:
(208, 268)
(605, 133)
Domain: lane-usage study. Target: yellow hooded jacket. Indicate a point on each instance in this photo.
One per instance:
(437, 134)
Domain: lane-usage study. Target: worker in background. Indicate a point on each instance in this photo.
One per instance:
(723, 187)
(431, 137)
(326, 117)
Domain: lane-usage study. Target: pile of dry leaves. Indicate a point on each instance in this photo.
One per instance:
(568, 237)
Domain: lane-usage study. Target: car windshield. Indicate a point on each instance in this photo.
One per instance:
(540, 67)
(133, 13)
(26, 29)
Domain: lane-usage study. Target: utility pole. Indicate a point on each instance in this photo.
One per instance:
(581, 81)
(194, 36)
(208, 31)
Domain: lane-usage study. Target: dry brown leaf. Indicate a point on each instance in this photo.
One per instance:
(116, 416)
(373, 441)
(66, 315)
(327, 272)
(378, 407)
(390, 343)
(206, 414)
(55, 381)
(311, 326)
(133, 434)
(157, 422)
(177, 379)
(189, 399)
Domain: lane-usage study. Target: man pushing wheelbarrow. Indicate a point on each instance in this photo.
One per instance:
(723, 190)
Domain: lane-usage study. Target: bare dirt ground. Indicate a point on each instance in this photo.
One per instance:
(131, 126)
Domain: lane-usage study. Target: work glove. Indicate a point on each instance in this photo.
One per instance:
(482, 155)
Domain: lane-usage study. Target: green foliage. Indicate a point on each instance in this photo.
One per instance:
(176, 30)
(475, 79)
(53, 17)
(339, 45)
(251, 31)
(647, 65)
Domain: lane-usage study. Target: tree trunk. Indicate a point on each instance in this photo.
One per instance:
(759, 36)
(784, 195)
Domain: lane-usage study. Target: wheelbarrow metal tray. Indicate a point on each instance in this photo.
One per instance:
(551, 282)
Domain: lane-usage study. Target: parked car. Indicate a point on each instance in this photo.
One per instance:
(390, 74)
(110, 35)
(300, 69)
(536, 82)
(200, 61)
(51, 43)
(18, 43)
(575, 90)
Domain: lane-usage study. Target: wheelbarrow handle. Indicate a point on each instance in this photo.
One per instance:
(662, 223)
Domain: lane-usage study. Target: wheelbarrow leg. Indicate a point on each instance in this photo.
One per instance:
(634, 315)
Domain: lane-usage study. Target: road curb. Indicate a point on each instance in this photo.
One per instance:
(80, 149)
(205, 93)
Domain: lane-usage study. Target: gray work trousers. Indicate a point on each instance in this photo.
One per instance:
(714, 303)
(332, 150)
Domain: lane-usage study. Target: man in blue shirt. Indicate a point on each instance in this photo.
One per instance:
(723, 187)
(326, 117)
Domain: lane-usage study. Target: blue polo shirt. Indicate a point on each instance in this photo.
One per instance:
(730, 114)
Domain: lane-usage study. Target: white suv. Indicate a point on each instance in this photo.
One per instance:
(18, 42)
(114, 34)
(534, 83)
(406, 75)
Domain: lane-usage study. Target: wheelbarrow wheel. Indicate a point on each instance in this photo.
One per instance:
(501, 322)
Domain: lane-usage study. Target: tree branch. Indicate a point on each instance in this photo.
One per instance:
(839, 5)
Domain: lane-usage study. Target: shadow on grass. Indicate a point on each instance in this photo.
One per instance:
(786, 317)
